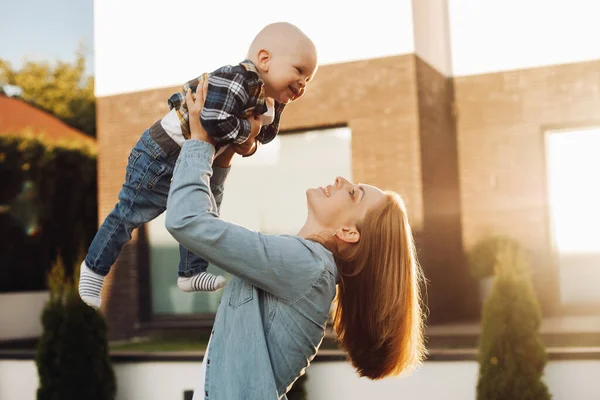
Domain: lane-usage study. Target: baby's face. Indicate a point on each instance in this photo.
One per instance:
(288, 75)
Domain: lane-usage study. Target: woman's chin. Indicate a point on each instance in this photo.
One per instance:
(311, 195)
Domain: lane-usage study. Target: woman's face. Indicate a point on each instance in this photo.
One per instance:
(341, 205)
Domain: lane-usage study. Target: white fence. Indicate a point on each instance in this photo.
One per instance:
(327, 380)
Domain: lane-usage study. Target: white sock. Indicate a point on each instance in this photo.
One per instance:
(90, 286)
(203, 282)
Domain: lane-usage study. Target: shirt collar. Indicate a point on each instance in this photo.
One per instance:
(249, 65)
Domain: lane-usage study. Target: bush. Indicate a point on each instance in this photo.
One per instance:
(482, 256)
(48, 204)
(72, 355)
(511, 354)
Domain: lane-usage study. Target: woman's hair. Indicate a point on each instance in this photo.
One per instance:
(378, 317)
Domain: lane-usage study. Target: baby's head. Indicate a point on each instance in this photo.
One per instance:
(286, 60)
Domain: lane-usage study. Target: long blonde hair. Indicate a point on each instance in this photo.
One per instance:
(378, 317)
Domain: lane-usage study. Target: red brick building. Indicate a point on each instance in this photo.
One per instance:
(468, 153)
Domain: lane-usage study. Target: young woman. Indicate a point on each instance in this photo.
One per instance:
(356, 244)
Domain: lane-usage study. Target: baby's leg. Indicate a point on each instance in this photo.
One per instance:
(193, 276)
(142, 198)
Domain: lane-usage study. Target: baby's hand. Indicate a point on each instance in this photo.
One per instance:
(249, 146)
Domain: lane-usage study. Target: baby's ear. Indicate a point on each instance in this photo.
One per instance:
(263, 57)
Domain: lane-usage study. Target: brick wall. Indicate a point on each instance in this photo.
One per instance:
(467, 154)
(501, 118)
(403, 139)
(376, 98)
(440, 240)
(120, 121)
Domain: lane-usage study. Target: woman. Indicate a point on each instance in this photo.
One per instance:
(273, 313)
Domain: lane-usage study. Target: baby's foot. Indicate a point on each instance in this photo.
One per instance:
(203, 282)
(90, 286)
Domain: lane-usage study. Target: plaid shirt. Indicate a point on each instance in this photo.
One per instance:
(234, 93)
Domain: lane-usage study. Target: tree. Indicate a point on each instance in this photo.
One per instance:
(482, 257)
(49, 201)
(61, 89)
(72, 355)
(511, 354)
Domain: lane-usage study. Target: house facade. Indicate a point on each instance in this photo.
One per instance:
(468, 110)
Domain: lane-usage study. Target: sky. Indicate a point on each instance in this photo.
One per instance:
(53, 29)
(47, 30)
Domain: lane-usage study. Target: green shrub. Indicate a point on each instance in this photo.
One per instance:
(482, 257)
(72, 355)
(48, 204)
(511, 354)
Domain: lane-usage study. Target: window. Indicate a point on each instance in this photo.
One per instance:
(264, 192)
(573, 165)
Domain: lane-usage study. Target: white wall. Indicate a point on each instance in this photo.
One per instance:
(18, 380)
(143, 44)
(20, 314)
(567, 380)
(492, 35)
(435, 380)
(155, 380)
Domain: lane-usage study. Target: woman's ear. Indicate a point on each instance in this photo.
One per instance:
(348, 235)
(263, 58)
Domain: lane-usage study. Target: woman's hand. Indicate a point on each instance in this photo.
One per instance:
(195, 104)
(197, 131)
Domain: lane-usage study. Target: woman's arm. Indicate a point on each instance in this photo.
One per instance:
(285, 266)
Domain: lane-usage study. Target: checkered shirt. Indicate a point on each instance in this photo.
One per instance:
(234, 93)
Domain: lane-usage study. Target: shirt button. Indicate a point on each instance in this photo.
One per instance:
(206, 393)
(207, 361)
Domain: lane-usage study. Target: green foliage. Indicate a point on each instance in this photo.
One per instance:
(511, 354)
(61, 89)
(48, 205)
(72, 355)
(482, 257)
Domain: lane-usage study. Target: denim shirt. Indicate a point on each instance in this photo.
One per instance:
(272, 315)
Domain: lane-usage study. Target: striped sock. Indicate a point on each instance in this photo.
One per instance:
(203, 282)
(90, 286)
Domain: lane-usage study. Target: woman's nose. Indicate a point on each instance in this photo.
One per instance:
(340, 181)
